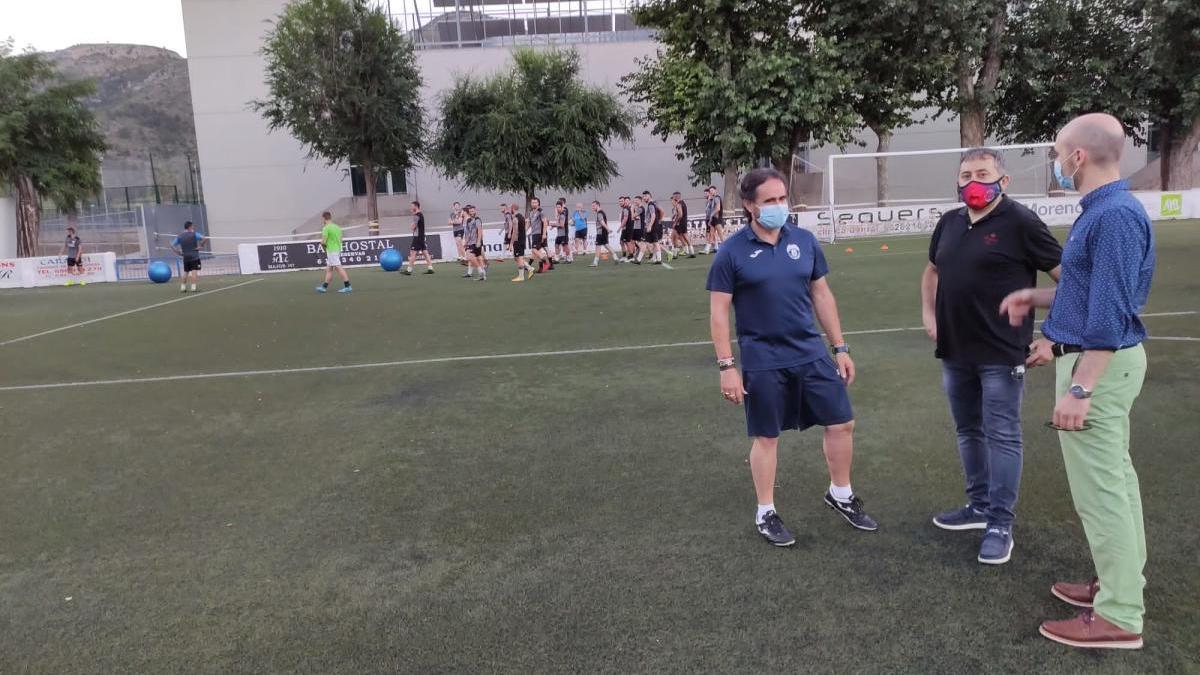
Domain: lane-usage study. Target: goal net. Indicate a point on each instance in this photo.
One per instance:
(876, 194)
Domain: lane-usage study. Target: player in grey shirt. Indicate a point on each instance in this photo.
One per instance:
(473, 244)
(714, 221)
(73, 250)
(537, 232)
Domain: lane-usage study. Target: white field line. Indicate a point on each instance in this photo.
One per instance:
(443, 359)
(125, 313)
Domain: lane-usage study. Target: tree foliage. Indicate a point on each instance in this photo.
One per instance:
(535, 125)
(344, 82)
(1135, 59)
(738, 82)
(50, 143)
(974, 34)
(890, 49)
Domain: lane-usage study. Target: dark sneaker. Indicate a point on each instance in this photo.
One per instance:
(997, 546)
(772, 529)
(407, 273)
(1079, 595)
(429, 270)
(966, 518)
(852, 511)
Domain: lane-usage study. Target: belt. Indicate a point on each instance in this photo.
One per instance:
(1060, 350)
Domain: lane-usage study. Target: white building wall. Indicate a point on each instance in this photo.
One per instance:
(258, 183)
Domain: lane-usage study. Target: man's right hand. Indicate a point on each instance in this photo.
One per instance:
(930, 322)
(731, 386)
(1039, 353)
(1017, 306)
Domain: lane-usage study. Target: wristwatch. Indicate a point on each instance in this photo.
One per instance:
(725, 364)
(1078, 391)
(841, 349)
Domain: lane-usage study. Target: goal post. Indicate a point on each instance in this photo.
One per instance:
(921, 188)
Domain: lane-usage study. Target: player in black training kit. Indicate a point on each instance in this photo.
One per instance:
(601, 235)
(517, 235)
(626, 225)
(418, 245)
(679, 220)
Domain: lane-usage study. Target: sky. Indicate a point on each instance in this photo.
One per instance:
(47, 25)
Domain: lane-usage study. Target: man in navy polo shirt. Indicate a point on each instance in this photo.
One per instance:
(978, 254)
(773, 276)
(1095, 336)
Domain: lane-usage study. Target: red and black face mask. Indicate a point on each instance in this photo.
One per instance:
(977, 195)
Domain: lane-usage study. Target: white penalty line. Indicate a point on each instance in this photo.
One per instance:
(441, 359)
(125, 313)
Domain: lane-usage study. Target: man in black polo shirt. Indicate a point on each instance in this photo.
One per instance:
(978, 255)
(773, 276)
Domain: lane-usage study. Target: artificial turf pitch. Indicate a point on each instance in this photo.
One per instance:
(586, 512)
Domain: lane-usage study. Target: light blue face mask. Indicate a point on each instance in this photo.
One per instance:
(1066, 182)
(773, 216)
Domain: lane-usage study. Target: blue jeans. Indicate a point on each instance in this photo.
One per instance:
(986, 404)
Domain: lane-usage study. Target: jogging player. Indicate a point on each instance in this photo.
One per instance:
(626, 225)
(473, 243)
(517, 234)
(187, 246)
(679, 221)
(73, 250)
(714, 220)
(508, 227)
(331, 239)
(637, 234)
(418, 245)
(456, 226)
(601, 235)
(580, 219)
(562, 240)
(537, 233)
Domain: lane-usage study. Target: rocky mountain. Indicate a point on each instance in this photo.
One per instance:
(143, 101)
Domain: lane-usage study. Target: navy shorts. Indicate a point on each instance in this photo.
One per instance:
(810, 394)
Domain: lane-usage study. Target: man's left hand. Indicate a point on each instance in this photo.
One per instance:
(1039, 353)
(1071, 412)
(846, 368)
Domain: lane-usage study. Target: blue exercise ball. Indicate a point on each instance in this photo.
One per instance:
(159, 272)
(390, 260)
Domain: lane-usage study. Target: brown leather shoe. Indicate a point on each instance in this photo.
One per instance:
(1079, 595)
(1090, 631)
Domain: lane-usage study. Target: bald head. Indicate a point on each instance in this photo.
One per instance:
(1100, 135)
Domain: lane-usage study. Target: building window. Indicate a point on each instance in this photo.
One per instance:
(386, 182)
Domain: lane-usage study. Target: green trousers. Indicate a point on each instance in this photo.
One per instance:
(1104, 485)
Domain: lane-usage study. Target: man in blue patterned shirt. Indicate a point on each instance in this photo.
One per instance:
(1094, 332)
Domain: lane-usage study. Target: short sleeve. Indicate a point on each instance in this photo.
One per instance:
(933, 241)
(1044, 251)
(721, 275)
(820, 265)
(175, 241)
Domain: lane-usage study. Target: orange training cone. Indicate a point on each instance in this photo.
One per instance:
(883, 248)
(849, 250)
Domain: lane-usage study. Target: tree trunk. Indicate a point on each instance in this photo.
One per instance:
(972, 123)
(29, 217)
(372, 196)
(528, 199)
(784, 166)
(730, 193)
(1179, 159)
(881, 165)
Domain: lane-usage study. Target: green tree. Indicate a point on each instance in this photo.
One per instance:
(973, 35)
(738, 82)
(1173, 91)
(535, 125)
(1048, 80)
(50, 143)
(1130, 58)
(890, 51)
(344, 82)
